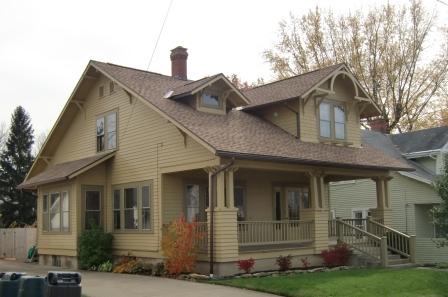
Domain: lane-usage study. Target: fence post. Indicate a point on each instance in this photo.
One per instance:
(412, 249)
(383, 251)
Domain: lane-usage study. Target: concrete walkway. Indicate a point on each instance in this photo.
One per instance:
(97, 284)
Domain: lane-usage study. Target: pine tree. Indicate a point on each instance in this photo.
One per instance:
(17, 205)
(440, 212)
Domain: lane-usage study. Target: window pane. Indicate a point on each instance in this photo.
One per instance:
(45, 203)
(324, 111)
(117, 199)
(339, 131)
(112, 140)
(117, 219)
(306, 199)
(65, 205)
(65, 220)
(131, 211)
(100, 143)
(210, 100)
(93, 200)
(278, 206)
(145, 196)
(111, 122)
(55, 215)
(339, 114)
(192, 203)
(46, 219)
(239, 202)
(131, 218)
(146, 218)
(325, 129)
(293, 205)
(130, 198)
(100, 126)
(92, 219)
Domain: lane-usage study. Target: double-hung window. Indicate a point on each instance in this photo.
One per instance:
(106, 132)
(332, 121)
(132, 207)
(55, 212)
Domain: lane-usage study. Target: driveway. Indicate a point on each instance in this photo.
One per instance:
(97, 284)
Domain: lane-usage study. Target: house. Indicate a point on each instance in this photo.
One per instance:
(412, 194)
(132, 150)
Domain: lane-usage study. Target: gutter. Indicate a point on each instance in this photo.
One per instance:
(212, 213)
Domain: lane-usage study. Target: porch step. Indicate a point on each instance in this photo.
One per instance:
(399, 261)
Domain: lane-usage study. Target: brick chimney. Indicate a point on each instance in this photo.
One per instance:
(179, 57)
(378, 125)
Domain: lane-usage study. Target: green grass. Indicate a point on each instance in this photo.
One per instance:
(409, 282)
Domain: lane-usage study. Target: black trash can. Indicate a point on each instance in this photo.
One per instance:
(63, 283)
(32, 286)
(9, 284)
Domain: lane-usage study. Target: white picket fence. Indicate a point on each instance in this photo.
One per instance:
(15, 242)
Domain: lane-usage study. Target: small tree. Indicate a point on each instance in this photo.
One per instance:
(15, 160)
(94, 247)
(180, 246)
(440, 212)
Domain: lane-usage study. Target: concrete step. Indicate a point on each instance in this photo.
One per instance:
(399, 261)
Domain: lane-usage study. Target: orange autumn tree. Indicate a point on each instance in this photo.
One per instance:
(180, 246)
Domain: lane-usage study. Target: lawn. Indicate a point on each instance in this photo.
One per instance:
(410, 282)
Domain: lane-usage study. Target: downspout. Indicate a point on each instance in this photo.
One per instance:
(212, 213)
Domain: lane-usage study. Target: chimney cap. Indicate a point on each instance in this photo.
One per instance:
(179, 50)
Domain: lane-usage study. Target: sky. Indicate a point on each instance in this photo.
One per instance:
(45, 45)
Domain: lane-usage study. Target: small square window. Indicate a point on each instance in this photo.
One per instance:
(209, 100)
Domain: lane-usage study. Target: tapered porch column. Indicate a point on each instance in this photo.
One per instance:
(318, 211)
(382, 210)
(225, 232)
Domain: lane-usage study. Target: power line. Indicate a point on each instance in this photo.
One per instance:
(444, 3)
(160, 33)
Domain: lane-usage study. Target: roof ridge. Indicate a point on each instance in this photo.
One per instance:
(141, 70)
(189, 82)
(295, 76)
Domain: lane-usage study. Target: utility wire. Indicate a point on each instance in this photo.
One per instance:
(160, 33)
(444, 3)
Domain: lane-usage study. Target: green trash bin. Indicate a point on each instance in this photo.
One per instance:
(32, 286)
(9, 284)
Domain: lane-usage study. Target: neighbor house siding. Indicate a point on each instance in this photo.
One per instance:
(428, 252)
(146, 142)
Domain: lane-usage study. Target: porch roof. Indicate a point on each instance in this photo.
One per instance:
(65, 171)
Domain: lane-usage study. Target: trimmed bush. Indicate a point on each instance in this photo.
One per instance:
(246, 265)
(336, 256)
(284, 262)
(94, 248)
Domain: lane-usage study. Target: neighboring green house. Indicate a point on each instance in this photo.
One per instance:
(412, 193)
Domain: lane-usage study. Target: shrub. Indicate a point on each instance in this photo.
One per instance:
(105, 267)
(159, 269)
(305, 263)
(336, 256)
(246, 265)
(284, 262)
(94, 247)
(180, 246)
(126, 265)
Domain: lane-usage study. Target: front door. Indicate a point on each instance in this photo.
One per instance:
(293, 196)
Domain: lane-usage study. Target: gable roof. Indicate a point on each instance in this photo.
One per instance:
(421, 140)
(384, 143)
(65, 171)
(288, 88)
(239, 133)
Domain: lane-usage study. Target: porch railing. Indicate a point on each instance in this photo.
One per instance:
(202, 242)
(253, 233)
(397, 241)
(359, 223)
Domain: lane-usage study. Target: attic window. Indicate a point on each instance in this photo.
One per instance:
(210, 100)
(111, 87)
(106, 132)
(101, 91)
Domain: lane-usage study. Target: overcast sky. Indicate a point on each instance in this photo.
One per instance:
(45, 45)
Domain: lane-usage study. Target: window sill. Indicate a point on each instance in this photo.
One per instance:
(56, 232)
(130, 231)
(335, 142)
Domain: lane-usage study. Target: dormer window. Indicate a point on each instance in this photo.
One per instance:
(332, 121)
(210, 100)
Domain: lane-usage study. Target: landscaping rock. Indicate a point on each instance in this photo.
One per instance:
(198, 276)
(318, 269)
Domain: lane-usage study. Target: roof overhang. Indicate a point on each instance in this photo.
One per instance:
(65, 171)
(421, 154)
(415, 177)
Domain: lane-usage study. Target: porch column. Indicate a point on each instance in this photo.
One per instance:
(382, 210)
(225, 231)
(318, 212)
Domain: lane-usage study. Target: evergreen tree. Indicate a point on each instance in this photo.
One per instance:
(441, 211)
(17, 205)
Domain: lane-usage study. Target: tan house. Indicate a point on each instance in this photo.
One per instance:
(132, 150)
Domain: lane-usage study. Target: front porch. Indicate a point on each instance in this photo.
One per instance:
(260, 209)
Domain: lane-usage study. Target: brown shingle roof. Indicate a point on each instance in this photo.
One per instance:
(63, 171)
(288, 88)
(190, 86)
(242, 134)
